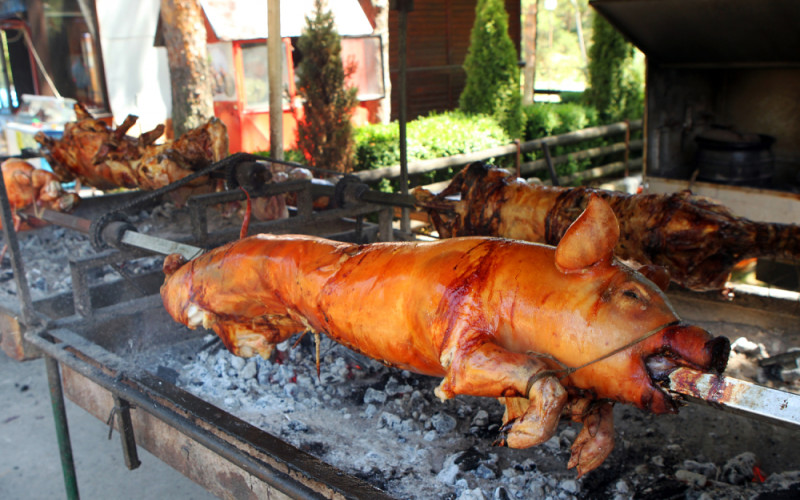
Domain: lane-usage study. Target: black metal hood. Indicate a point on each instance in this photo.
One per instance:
(709, 32)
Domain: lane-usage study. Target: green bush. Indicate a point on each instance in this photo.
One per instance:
(543, 119)
(434, 136)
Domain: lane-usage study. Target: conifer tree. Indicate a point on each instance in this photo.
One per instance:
(615, 89)
(492, 85)
(324, 134)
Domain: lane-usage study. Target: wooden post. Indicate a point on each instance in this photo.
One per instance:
(275, 71)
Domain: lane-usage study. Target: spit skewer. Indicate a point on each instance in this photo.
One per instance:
(721, 392)
(737, 396)
(118, 234)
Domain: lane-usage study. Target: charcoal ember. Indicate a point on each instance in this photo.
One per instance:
(370, 410)
(291, 390)
(237, 363)
(708, 469)
(232, 403)
(484, 472)
(443, 423)
(662, 488)
(569, 485)
(554, 443)
(693, 479)
(473, 494)
(391, 422)
(249, 371)
(167, 374)
(481, 418)
(450, 469)
(296, 426)
(393, 387)
(739, 469)
(742, 345)
(500, 493)
(417, 401)
(372, 396)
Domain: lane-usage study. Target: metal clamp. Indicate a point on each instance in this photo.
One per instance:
(107, 231)
(349, 190)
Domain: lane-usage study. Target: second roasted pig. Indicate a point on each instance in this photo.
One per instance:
(696, 240)
(549, 331)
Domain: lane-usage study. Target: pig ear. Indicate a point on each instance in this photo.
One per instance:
(657, 274)
(590, 239)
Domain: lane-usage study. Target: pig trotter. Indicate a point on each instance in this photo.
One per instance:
(595, 441)
(538, 424)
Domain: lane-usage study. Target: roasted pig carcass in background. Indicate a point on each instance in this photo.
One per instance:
(107, 158)
(696, 240)
(27, 186)
(549, 331)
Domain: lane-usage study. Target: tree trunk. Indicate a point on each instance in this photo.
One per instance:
(187, 55)
(529, 44)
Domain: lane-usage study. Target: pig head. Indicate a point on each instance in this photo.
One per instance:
(608, 330)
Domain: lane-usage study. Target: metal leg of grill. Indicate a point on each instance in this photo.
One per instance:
(123, 409)
(62, 428)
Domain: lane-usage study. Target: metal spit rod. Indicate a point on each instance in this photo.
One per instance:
(119, 234)
(738, 396)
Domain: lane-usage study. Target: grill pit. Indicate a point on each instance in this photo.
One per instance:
(384, 428)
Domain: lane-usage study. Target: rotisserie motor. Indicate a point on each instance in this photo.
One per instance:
(696, 240)
(549, 331)
(27, 186)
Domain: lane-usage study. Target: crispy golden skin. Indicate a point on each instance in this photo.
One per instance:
(491, 316)
(27, 186)
(107, 158)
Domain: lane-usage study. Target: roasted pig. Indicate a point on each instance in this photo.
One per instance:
(28, 187)
(549, 331)
(696, 240)
(107, 158)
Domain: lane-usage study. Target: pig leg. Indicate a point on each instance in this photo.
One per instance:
(596, 440)
(486, 369)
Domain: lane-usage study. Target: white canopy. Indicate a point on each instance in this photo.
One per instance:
(247, 19)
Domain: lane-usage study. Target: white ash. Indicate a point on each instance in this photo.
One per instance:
(386, 427)
(45, 258)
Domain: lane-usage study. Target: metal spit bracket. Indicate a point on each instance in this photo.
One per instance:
(160, 245)
(738, 396)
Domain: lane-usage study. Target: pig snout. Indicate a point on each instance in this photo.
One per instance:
(691, 346)
(681, 345)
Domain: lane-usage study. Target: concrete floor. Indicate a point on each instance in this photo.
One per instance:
(30, 467)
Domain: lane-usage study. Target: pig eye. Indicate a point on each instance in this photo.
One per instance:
(635, 294)
(631, 294)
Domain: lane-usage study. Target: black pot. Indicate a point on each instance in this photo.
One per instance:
(729, 157)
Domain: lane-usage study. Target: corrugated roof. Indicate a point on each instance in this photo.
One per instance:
(247, 19)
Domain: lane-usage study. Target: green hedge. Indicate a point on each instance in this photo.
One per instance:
(434, 136)
(453, 132)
